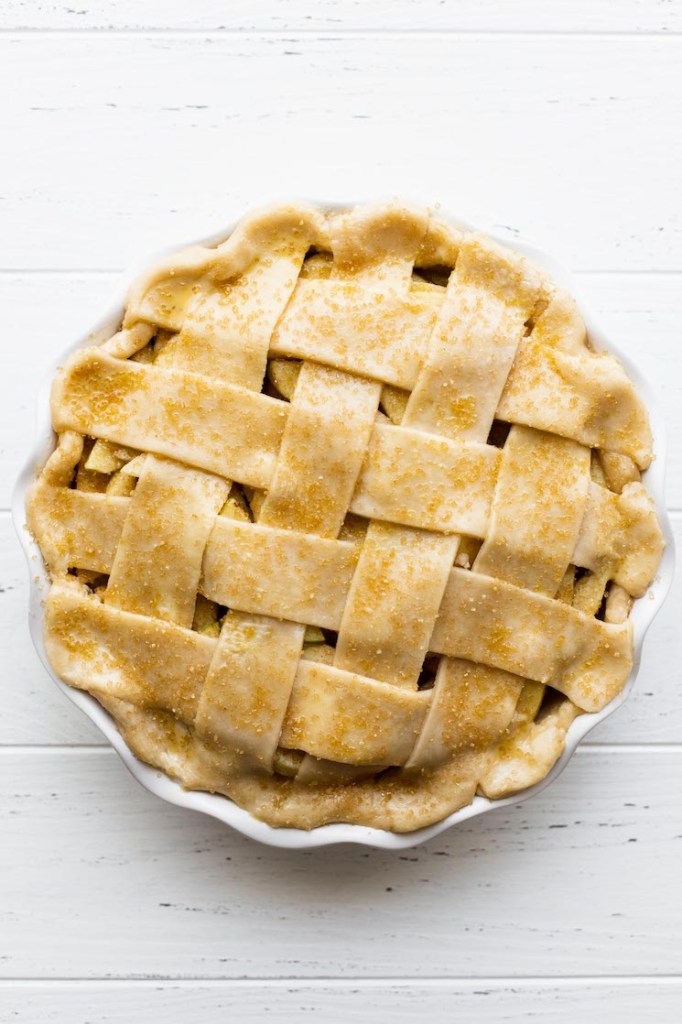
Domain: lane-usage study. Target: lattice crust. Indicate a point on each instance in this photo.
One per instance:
(346, 521)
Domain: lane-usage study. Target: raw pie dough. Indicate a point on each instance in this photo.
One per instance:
(346, 521)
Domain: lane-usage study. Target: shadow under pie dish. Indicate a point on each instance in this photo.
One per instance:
(345, 521)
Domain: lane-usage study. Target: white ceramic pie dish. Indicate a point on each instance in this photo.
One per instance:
(223, 808)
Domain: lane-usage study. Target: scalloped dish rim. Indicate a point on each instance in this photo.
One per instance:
(223, 808)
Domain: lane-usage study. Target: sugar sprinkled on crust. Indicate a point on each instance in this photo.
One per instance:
(323, 525)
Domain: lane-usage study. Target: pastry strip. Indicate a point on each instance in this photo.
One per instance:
(338, 323)
(132, 657)
(344, 717)
(205, 423)
(225, 333)
(561, 388)
(77, 529)
(537, 510)
(472, 706)
(491, 296)
(324, 444)
(379, 636)
(158, 560)
(495, 623)
(288, 575)
(247, 688)
(418, 479)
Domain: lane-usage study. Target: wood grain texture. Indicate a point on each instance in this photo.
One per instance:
(339, 15)
(100, 879)
(130, 125)
(485, 1002)
(118, 143)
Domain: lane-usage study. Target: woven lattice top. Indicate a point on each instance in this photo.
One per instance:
(346, 521)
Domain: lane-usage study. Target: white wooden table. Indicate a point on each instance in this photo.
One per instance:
(129, 123)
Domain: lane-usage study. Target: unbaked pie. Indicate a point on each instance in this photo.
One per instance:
(346, 521)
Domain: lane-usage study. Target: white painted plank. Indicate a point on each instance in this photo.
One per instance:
(100, 879)
(36, 712)
(336, 15)
(517, 1002)
(117, 142)
(43, 314)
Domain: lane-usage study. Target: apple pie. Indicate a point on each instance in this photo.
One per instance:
(346, 521)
